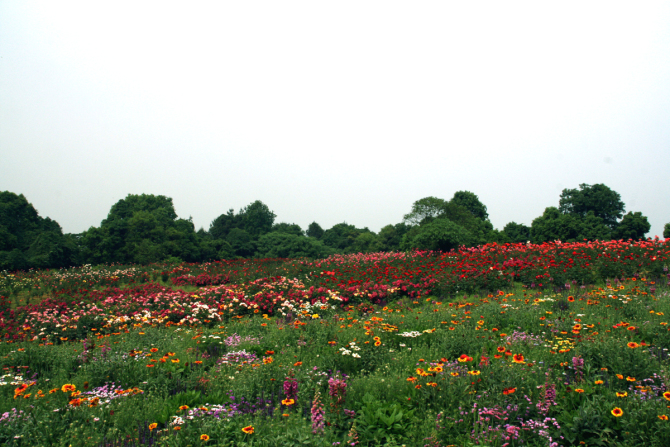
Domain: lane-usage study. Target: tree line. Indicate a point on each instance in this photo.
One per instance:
(145, 228)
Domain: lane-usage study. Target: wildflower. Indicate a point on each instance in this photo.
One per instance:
(174, 360)
(269, 352)
(204, 437)
(579, 390)
(288, 402)
(248, 430)
(455, 374)
(571, 299)
(377, 343)
(663, 417)
(619, 376)
(509, 390)
(630, 379)
(177, 428)
(598, 382)
(621, 394)
(183, 407)
(666, 395)
(297, 364)
(317, 414)
(474, 373)
(411, 379)
(153, 426)
(633, 345)
(67, 388)
(153, 349)
(617, 412)
(517, 358)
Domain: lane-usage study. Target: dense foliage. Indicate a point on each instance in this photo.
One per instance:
(145, 228)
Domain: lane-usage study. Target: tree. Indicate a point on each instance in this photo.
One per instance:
(666, 231)
(257, 219)
(141, 229)
(314, 230)
(283, 227)
(28, 240)
(517, 232)
(553, 225)
(390, 236)
(604, 202)
(241, 242)
(470, 202)
(221, 226)
(440, 234)
(632, 226)
(287, 245)
(425, 210)
(341, 237)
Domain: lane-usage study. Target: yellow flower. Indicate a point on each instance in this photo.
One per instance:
(204, 437)
(153, 426)
(617, 412)
(248, 429)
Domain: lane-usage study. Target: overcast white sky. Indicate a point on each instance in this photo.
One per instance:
(333, 111)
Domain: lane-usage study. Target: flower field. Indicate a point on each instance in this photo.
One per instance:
(499, 345)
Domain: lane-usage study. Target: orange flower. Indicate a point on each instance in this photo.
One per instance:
(579, 390)
(153, 426)
(571, 299)
(418, 387)
(177, 428)
(153, 349)
(198, 362)
(633, 345)
(518, 358)
(619, 376)
(297, 364)
(248, 430)
(204, 438)
(509, 390)
(454, 374)
(663, 417)
(68, 388)
(630, 379)
(501, 349)
(269, 352)
(413, 379)
(75, 402)
(183, 407)
(150, 365)
(174, 360)
(617, 412)
(598, 382)
(288, 402)
(377, 343)
(666, 395)
(621, 393)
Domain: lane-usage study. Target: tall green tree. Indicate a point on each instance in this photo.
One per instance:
(284, 227)
(314, 230)
(439, 234)
(28, 240)
(600, 199)
(288, 245)
(632, 226)
(470, 202)
(666, 231)
(517, 232)
(140, 229)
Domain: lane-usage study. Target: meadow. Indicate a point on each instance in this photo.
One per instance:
(557, 344)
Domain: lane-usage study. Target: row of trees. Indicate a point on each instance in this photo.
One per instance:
(145, 228)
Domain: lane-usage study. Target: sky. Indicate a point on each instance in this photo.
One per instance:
(333, 112)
